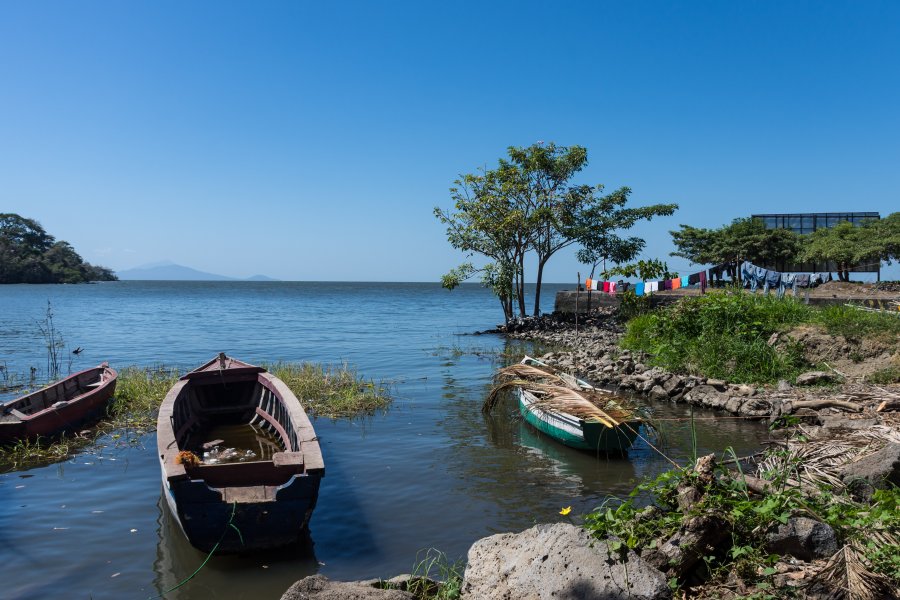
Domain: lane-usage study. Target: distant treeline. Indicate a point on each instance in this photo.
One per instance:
(28, 254)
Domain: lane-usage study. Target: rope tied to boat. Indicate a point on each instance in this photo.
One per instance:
(229, 525)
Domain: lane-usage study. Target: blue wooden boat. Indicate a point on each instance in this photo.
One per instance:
(261, 496)
(607, 429)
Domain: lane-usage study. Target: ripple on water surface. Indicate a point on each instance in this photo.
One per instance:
(432, 471)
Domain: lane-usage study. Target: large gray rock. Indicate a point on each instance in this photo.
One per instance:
(318, 587)
(877, 469)
(558, 562)
(816, 377)
(802, 538)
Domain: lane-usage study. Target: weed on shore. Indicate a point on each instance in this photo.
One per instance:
(727, 335)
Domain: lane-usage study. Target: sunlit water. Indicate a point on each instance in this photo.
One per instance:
(431, 471)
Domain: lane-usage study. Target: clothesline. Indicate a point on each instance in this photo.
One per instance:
(642, 288)
(750, 275)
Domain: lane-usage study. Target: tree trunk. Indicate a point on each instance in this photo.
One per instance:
(537, 290)
(520, 285)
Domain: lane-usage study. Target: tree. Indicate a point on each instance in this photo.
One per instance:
(743, 239)
(527, 204)
(28, 254)
(488, 221)
(881, 240)
(539, 176)
(840, 244)
(596, 226)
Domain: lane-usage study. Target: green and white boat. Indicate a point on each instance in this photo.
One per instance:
(576, 414)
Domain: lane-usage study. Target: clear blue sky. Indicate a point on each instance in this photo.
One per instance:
(311, 141)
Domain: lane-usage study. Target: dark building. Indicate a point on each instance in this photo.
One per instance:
(804, 223)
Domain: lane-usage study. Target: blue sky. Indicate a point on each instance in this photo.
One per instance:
(311, 141)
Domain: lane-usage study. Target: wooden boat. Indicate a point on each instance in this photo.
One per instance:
(254, 502)
(60, 406)
(609, 430)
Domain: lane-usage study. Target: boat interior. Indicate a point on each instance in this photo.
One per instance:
(66, 390)
(244, 419)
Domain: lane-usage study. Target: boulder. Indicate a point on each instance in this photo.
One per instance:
(556, 561)
(319, 587)
(816, 377)
(719, 384)
(878, 469)
(803, 538)
(658, 393)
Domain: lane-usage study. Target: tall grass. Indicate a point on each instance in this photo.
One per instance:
(854, 323)
(331, 391)
(721, 335)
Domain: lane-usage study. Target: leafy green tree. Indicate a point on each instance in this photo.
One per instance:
(597, 225)
(488, 220)
(644, 270)
(881, 240)
(743, 239)
(28, 254)
(527, 204)
(845, 245)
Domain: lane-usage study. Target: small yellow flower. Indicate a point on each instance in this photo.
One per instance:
(565, 511)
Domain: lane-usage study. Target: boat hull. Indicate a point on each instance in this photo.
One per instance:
(577, 433)
(244, 506)
(210, 523)
(60, 407)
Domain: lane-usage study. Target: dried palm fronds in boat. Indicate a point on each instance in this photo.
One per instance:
(568, 409)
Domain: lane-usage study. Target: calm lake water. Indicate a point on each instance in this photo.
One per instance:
(430, 472)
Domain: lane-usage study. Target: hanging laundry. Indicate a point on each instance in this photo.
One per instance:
(623, 286)
(595, 285)
(801, 280)
(587, 284)
(787, 279)
(652, 286)
(676, 283)
(702, 282)
(771, 281)
(612, 287)
(639, 288)
(693, 279)
(606, 286)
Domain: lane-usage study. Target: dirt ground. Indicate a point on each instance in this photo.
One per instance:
(854, 359)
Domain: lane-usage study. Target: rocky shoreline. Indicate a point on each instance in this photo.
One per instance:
(854, 420)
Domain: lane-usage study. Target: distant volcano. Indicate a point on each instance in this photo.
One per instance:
(169, 271)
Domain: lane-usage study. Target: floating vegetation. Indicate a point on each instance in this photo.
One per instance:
(331, 391)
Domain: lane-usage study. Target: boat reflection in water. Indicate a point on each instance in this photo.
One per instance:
(263, 574)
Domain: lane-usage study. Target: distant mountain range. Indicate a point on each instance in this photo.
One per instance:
(169, 271)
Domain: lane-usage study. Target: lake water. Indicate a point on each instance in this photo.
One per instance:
(430, 472)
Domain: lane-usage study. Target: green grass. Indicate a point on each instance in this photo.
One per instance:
(333, 392)
(434, 577)
(885, 376)
(853, 323)
(725, 334)
(721, 335)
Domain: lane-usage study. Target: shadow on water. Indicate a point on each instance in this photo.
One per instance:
(260, 575)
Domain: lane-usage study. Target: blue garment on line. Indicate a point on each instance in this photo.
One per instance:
(787, 279)
(758, 278)
(639, 288)
(773, 278)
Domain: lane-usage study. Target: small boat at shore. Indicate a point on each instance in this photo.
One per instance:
(572, 411)
(240, 461)
(60, 406)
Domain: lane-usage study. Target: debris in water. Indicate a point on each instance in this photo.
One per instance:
(134, 531)
(216, 455)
